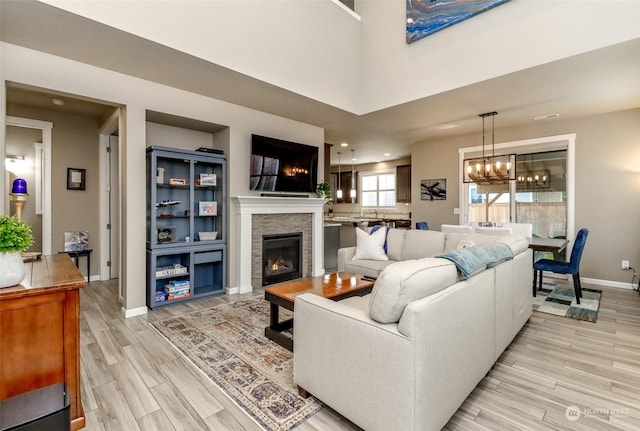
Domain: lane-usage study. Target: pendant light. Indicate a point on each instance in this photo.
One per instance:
(352, 193)
(489, 169)
(339, 191)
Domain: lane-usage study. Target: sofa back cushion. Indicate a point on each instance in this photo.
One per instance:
(395, 243)
(419, 244)
(403, 282)
(454, 241)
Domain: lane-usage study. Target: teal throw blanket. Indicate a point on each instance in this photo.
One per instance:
(470, 259)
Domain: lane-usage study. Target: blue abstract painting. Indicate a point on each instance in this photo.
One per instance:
(425, 17)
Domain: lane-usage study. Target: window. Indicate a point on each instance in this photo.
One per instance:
(378, 189)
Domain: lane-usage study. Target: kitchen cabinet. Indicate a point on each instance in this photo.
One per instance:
(345, 185)
(403, 183)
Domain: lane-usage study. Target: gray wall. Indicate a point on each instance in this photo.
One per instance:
(607, 184)
(74, 144)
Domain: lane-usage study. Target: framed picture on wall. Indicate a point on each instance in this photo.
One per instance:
(433, 190)
(76, 178)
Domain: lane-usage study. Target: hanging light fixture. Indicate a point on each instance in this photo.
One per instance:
(490, 169)
(339, 191)
(352, 193)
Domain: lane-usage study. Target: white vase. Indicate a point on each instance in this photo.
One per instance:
(13, 268)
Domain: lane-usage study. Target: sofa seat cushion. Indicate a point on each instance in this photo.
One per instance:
(370, 268)
(403, 282)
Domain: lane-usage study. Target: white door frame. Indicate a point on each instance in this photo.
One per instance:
(547, 143)
(45, 127)
(109, 126)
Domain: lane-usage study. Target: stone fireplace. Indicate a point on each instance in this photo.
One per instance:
(258, 216)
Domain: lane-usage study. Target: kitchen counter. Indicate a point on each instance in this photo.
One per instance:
(366, 221)
(349, 223)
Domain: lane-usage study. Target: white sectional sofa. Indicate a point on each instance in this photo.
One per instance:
(406, 356)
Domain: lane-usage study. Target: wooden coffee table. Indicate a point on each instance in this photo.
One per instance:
(335, 286)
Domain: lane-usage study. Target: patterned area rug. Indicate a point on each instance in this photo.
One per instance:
(561, 301)
(227, 343)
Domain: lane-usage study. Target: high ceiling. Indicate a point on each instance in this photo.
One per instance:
(600, 81)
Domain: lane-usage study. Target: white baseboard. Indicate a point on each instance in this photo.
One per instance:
(608, 283)
(133, 312)
(238, 289)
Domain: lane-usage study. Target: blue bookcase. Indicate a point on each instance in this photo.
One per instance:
(186, 225)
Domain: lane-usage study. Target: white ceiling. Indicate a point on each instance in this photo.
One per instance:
(596, 82)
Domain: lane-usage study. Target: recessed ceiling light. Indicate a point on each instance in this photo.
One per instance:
(546, 117)
(57, 102)
(446, 126)
(386, 154)
(344, 144)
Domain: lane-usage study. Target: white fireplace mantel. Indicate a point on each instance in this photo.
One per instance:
(250, 205)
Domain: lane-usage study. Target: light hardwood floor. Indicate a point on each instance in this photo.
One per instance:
(133, 379)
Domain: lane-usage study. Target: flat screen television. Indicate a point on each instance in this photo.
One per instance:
(282, 166)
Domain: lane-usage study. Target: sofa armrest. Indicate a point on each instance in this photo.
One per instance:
(338, 350)
(344, 255)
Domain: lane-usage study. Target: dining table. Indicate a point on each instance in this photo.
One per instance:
(554, 245)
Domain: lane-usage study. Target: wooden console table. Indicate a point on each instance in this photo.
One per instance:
(40, 331)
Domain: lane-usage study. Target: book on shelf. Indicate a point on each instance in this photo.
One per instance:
(166, 271)
(171, 297)
(176, 290)
(179, 283)
(161, 296)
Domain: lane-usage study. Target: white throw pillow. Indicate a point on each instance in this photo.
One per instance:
(370, 246)
(465, 242)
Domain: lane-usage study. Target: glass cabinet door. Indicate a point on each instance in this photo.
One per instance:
(171, 202)
(207, 201)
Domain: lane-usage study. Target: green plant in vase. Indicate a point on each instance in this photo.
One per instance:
(15, 236)
(323, 190)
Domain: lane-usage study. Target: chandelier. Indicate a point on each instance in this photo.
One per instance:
(490, 169)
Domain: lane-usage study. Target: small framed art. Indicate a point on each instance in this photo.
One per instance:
(76, 178)
(76, 241)
(207, 179)
(207, 208)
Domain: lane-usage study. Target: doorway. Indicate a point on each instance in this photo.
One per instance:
(542, 193)
(35, 163)
(110, 199)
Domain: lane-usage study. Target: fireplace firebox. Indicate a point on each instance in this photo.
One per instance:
(281, 257)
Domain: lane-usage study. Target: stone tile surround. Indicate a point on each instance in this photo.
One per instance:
(270, 224)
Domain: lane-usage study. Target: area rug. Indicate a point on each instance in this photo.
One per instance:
(227, 343)
(560, 300)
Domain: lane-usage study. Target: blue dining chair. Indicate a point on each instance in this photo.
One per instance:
(422, 225)
(560, 267)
